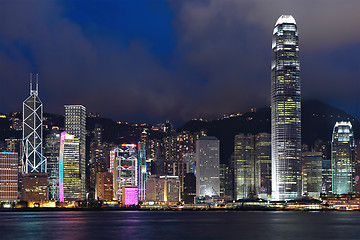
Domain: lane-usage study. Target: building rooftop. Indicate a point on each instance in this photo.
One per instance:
(285, 19)
(208, 138)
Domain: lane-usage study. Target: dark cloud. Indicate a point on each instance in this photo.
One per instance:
(229, 41)
(172, 60)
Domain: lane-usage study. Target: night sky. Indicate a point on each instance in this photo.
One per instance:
(151, 60)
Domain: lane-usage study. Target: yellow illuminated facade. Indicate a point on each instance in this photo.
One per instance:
(70, 164)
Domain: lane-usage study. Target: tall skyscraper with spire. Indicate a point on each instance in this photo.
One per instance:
(32, 159)
(285, 110)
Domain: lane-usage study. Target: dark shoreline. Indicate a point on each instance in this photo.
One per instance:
(156, 210)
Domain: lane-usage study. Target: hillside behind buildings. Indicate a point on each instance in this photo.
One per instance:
(318, 119)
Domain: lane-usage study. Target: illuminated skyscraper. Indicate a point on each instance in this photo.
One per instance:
(125, 170)
(70, 184)
(207, 167)
(263, 164)
(32, 159)
(52, 147)
(285, 110)
(252, 165)
(75, 124)
(342, 158)
(142, 171)
(244, 164)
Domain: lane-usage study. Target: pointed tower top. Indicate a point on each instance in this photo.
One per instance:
(285, 19)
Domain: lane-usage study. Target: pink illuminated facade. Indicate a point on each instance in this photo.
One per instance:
(130, 195)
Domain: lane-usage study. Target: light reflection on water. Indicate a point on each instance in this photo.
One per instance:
(179, 225)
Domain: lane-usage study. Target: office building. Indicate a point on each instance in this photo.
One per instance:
(70, 182)
(129, 196)
(35, 187)
(312, 174)
(8, 176)
(244, 166)
(142, 171)
(32, 159)
(75, 124)
(326, 176)
(51, 152)
(190, 161)
(252, 166)
(104, 186)
(285, 110)
(189, 192)
(226, 182)
(342, 158)
(163, 189)
(207, 167)
(125, 170)
(263, 162)
(98, 159)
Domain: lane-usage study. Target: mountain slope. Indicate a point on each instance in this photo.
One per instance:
(318, 120)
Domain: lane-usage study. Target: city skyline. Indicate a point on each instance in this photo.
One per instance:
(166, 62)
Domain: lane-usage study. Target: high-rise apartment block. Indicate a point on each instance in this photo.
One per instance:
(285, 110)
(207, 167)
(75, 124)
(342, 158)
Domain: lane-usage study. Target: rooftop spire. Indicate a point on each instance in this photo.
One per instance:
(32, 90)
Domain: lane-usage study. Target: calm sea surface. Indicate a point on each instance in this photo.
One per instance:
(179, 225)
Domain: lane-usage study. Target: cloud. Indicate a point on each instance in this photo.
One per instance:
(144, 61)
(228, 41)
(77, 67)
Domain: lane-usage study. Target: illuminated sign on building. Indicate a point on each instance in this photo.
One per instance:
(112, 159)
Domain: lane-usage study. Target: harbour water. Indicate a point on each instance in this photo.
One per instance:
(176, 225)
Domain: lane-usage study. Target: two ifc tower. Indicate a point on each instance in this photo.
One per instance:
(285, 115)
(285, 111)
